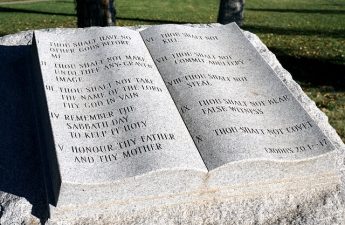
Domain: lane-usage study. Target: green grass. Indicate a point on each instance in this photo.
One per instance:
(332, 103)
(308, 36)
(26, 16)
(303, 28)
(6, 1)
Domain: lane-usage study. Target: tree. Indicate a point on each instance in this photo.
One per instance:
(95, 13)
(231, 11)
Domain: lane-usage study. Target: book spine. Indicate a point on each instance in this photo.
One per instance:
(52, 178)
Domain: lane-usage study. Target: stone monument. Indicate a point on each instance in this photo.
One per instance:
(172, 125)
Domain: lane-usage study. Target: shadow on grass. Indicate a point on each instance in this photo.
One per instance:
(314, 72)
(153, 20)
(62, 1)
(12, 10)
(291, 31)
(318, 11)
(3, 34)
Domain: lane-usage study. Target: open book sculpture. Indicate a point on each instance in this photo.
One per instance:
(166, 115)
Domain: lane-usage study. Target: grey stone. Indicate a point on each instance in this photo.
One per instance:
(307, 204)
(303, 207)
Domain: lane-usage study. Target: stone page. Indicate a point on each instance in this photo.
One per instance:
(111, 114)
(232, 102)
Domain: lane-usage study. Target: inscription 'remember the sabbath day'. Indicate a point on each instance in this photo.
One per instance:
(111, 113)
(237, 108)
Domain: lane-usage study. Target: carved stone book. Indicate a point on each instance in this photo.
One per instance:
(166, 115)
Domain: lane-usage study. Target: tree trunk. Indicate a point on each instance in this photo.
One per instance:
(95, 13)
(231, 11)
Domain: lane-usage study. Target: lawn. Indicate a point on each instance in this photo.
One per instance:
(308, 36)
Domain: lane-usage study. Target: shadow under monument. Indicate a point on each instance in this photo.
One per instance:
(315, 72)
(20, 161)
